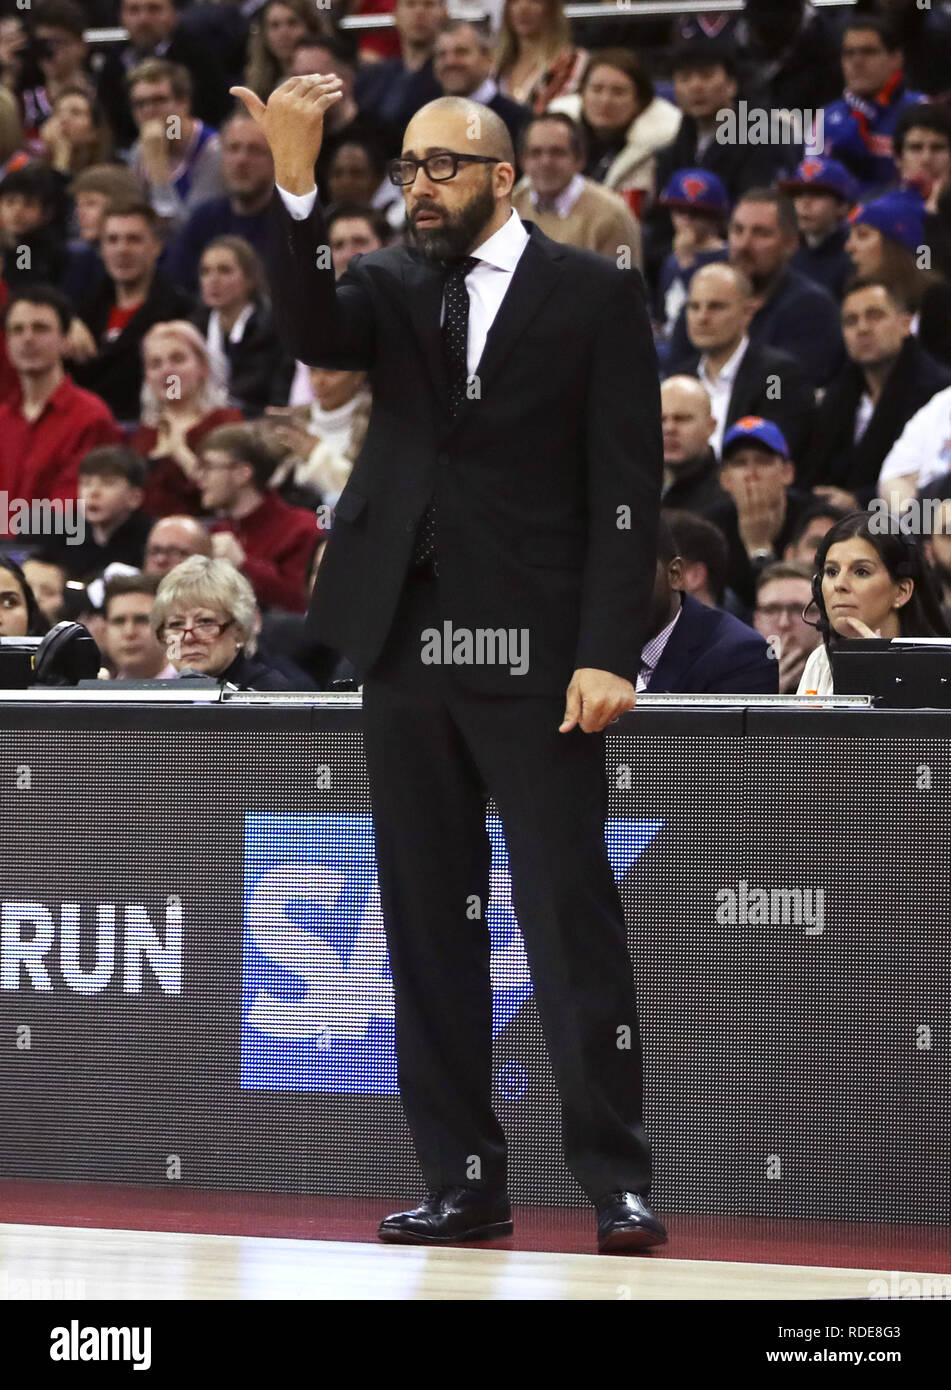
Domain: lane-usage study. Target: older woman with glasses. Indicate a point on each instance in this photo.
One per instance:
(206, 617)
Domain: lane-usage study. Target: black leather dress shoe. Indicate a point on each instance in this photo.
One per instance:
(627, 1224)
(450, 1215)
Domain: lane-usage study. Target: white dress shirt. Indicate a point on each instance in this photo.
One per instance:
(486, 282)
(721, 390)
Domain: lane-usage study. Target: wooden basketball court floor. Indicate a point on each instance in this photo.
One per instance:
(101, 1241)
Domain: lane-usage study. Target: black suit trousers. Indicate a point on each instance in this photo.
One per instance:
(435, 751)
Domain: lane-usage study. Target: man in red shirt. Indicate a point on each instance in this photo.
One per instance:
(51, 423)
(271, 542)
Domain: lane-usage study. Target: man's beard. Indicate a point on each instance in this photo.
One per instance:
(459, 229)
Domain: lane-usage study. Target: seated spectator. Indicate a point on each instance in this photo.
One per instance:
(76, 136)
(155, 30)
(757, 471)
(92, 191)
(46, 575)
(699, 209)
(704, 556)
(823, 192)
(742, 377)
(705, 85)
(236, 321)
(173, 539)
(51, 423)
(20, 614)
(692, 649)
(812, 523)
(177, 158)
(346, 121)
(357, 174)
(119, 312)
(691, 471)
(271, 542)
(923, 32)
(131, 646)
(869, 583)
(535, 59)
(206, 618)
(858, 128)
(322, 439)
(791, 52)
(59, 48)
(277, 28)
(111, 489)
(921, 454)
(31, 231)
(567, 206)
(794, 314)
(623, 121)
(392, 91)
(887, 378)
(462, 66)
(247, 174)
(886, 240)
(921, 147)
(183, 400)
(783, 593)
(353, 229)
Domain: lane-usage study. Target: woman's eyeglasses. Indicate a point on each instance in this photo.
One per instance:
(201, 627)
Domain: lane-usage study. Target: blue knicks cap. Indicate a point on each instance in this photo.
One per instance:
(754, 429)
(899, 215)
(819, 175)
(696, 190)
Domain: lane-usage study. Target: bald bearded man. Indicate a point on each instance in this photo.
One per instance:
(489, 574)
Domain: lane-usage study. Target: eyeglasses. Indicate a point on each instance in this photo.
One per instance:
(439, 167)
(776, 610)
(201, 627)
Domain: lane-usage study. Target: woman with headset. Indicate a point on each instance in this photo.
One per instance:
(868, 583)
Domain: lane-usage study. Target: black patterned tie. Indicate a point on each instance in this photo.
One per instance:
(455, 340)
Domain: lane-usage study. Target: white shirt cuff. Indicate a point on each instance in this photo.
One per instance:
(299, 205)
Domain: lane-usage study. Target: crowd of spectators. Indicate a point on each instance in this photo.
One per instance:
(781, 178)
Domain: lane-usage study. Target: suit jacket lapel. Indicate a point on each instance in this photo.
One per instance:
(529, 287)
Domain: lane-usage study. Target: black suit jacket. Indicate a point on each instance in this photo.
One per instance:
(547, 487)
(764, 370)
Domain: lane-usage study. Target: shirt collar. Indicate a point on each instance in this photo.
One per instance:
(567, 198)
(485, 91)
(731, 366)
(504, 247)
(56, 400)
(654, 649)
